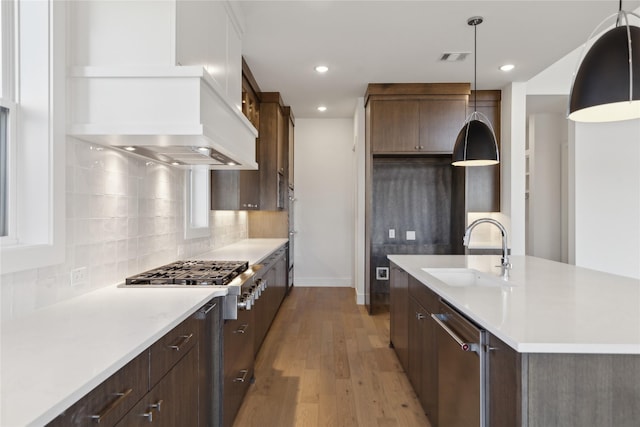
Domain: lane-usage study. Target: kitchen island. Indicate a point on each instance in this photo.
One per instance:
(54, 356)
(562, 342)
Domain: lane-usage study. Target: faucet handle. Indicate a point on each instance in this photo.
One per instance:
(465, 239)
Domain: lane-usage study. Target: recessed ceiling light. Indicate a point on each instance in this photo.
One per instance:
(203, 149)
(507, 67)
(175, 163)
(130, 148)
(321, 68)
(322, 108)
(231, 163)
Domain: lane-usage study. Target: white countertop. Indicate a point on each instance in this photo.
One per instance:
(56, 355)
(545, 307)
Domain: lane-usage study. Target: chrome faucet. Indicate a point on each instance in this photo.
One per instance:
(505, 265)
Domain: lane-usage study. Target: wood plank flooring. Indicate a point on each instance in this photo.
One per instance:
(326, 362)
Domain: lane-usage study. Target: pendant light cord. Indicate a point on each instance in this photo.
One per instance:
(475, 67)
(619, 10)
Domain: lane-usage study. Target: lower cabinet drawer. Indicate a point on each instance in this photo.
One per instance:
(169, 349)
(238, 363)
(173, 401)
(110, 401)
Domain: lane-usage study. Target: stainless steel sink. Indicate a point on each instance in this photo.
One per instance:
(462, 277)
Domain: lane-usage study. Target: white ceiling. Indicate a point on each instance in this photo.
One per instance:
(401, 41)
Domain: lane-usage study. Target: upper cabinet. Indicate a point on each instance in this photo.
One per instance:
(416, 118)
(164, 77)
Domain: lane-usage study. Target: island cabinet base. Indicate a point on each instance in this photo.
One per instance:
(582, 390)
(562, 390)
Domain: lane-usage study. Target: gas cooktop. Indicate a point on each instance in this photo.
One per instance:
(191, 273)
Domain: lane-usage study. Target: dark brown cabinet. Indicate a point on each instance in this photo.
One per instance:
(111, 400)
(238, 362)
(416, 119)
(290, 143)
(173, 401)
(399, 307)
(267, 187)
(423, 355)
(504, 384)
(161, 385)
(273, 148)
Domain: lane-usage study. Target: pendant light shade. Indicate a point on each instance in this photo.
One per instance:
(476, 142)
(606, 87)
(475, 145)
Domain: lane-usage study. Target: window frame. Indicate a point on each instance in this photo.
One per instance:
(36, 166)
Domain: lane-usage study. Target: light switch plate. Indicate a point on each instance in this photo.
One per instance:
(392, 233)
(411, 235)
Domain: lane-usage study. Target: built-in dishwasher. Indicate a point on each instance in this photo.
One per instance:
(461, 370)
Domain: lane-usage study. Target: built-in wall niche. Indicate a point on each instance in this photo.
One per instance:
(546, 178)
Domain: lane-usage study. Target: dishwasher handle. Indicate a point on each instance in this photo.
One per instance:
(464, 346)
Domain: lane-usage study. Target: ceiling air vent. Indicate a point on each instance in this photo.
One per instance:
(454, 56)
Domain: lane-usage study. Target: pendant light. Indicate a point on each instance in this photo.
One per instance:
(606, 87)
(476, 142)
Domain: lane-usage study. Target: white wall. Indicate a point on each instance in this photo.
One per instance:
(607, 204)
(324, 216)
(513, 139)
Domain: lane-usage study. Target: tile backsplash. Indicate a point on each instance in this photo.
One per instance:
(124, 215)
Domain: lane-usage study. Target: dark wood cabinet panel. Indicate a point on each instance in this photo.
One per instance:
(399, 307)
(440, 122)
(238, 362)
(168, 350)
(504, 387)
(173, 401)
(272, 151)
(290, 143)
(109, 401)
(395, 126)
(235, 190)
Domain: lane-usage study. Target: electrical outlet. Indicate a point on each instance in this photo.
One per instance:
(78, 276)
(382, 273)
(411, 235)
(392, 233)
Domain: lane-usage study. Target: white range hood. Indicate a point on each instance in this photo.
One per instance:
(173, 114)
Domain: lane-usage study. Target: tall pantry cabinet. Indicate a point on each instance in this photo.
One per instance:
(415, 201)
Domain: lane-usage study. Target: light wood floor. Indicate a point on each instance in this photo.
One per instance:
(326, 362)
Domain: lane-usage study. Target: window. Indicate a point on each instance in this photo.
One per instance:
(4, 133)
(197, 202)
(32, 143)
(7, 108)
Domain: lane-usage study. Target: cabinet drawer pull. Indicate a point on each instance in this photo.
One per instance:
(242, 329)
(111, 405)
(208, 308)
(243, 378)
(184, 339)
(148, 416)
(156, 405)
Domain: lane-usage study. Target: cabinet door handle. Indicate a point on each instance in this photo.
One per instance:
(111, 405)
(156, 405)
(208, 308)
(420, 316)
(243, 377)
(464, 346)
(242, 329)
(184, 339)
(149, 415)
